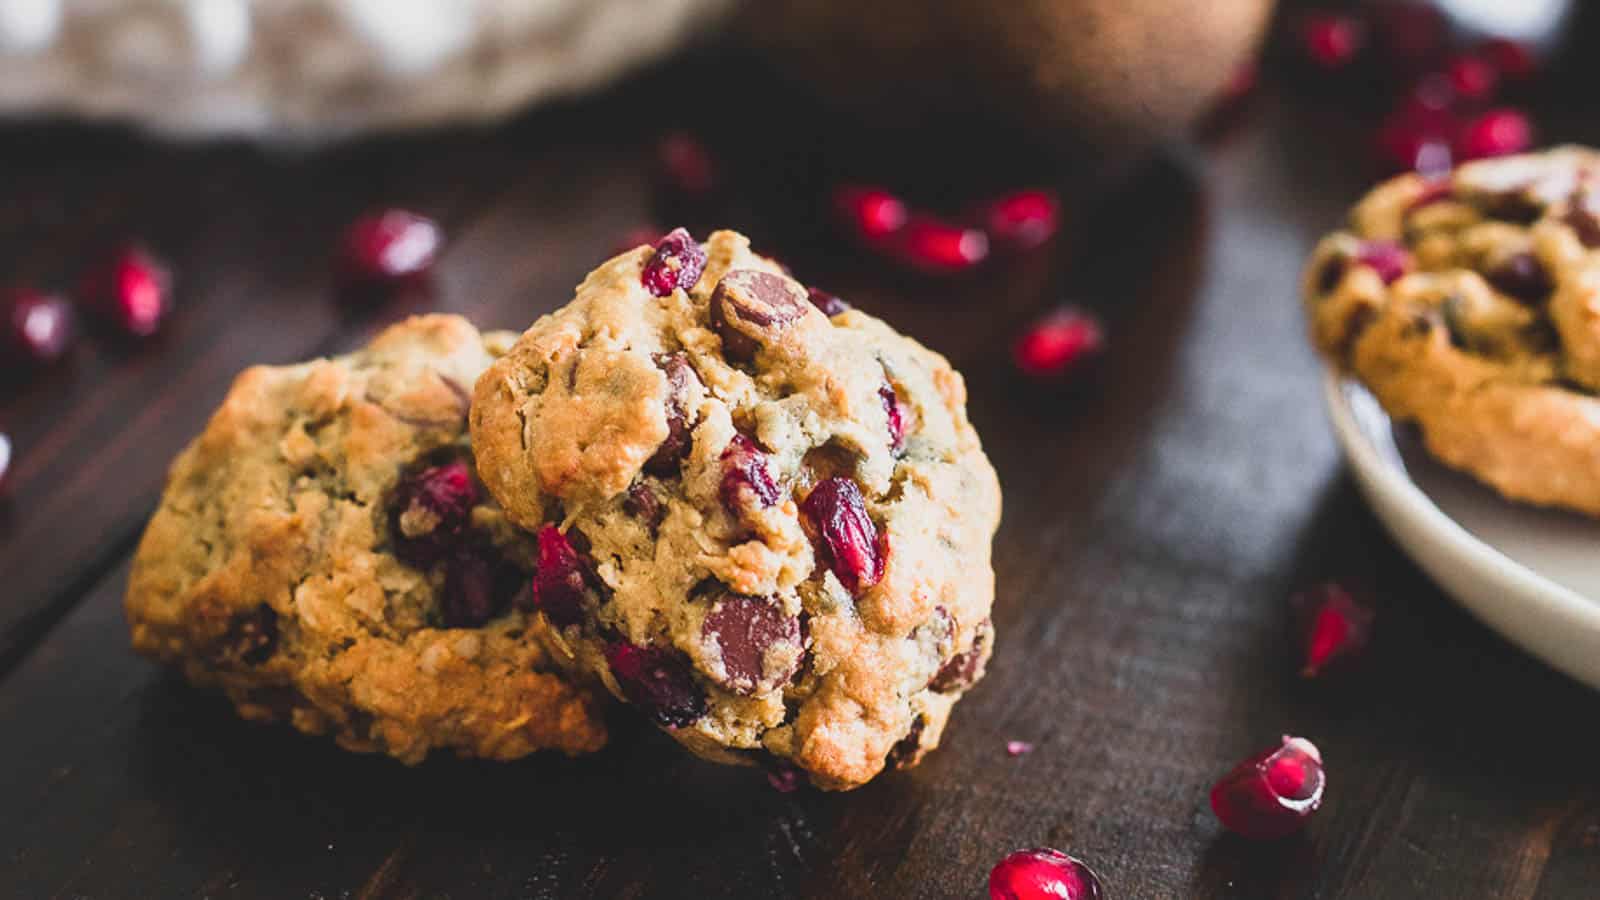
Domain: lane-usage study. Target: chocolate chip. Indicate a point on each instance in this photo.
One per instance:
(680, 379)
(1521, 277)
(250, 638)
(908, 750)
(744, 629)
(1514, 206)
(962, 670)
(750, 307)
(1332, 271)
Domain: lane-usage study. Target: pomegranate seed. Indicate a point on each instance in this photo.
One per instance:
(1513, 60)
(1058, 343)
(847, 540)
(677, 263)
(561, 579)
(1473, 79)
(1430, 98)
(746, 478)
(38, 327)
(1331, 41)
(1387, 258)
(685, 163)
(131, 290)
(658, 682)
(390, 245)
(1522, 277)
(937, 247)
(1412, 34)
(637, 236)
(1043, 874)
(1337, 626)
(830, 304)
(430, 510)
(1408, 142)
(1497, 132)
(1018, 748)
(1022, 220)
(869, 214)
(1272, 793)
(5, 459)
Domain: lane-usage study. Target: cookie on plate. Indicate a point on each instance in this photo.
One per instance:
(324, 555)
(1470, 306)
(766, 528)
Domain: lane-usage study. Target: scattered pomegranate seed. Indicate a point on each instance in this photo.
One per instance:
(131, 290)
(1473, 79)
(1411, 34)
(390, 245)
(677, 263)
(685, 163)
(657, 681)
(937, 247)
(1272, 793)
(1408, 142)
(1058, 344)
(1497, 132)
(1337, 626)
(1043, 874)
(1513, 60)
(869, 214)
(847, 540)
(1018, 748)
(830, 304)
(560, 582)
(746, 477)
(1387, 258)
(430, 510)
(1022, 220)
(1331, 41)
(38, 327)
(5, 459)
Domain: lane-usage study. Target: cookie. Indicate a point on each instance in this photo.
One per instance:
(764, 527)
(324, 555)
(1470, 306)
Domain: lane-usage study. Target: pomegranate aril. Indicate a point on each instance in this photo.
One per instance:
(1497, 132)
(1043, 873)
(895, 413)
(1057, 344)
(685, 163)
(38, 327)
(847, 540)
(1273, 793)
(830, 304)
(1022, 220)
(1337, 625)
(657, 681)
(1018, 748)
(561, 580)
(1387, 258)
(937, 247)
(868, 214)
(390, 245)
(131, 290)
(746, 476)
(677, 263)
(1330, 41)
(1473, 79)
(5, 460)
(1513, 60)
(430, 510)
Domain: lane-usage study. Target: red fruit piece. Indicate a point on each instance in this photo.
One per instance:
(961, 671)
(746, 477)
(1337, 626)
(131, 290)
(1043, 873)
(685, 163)
(847, 540)
(390, 245)
(1331, 41)
(868, 214)
(1387, 258)
(1513, 60)
(561, 580)
(677, 263)
(429, 512)
(5, 459)
(1473, 79)
(38, 327)
(658, 681)
(1058, 343)
(830, 304)
(745, 630)
(1497, 132)
(937, 247)
(1273, 793)
(1022, 220)
(1018, 748)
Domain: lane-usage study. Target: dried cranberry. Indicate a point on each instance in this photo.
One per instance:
(658, 681)
(476, 589)
(1058, 344)
(685, 163)
(5, 460)
(561, 580)
(390, 245)
(1497, 132)
(746, 477)
(744, 630)
(677, 263)
(1513, 60)
(1273, 793)
(847, 540)
(38, 327)
(937, 247)
(1474, 80)
(896, 415)
(1022, 220)
(1387, 258)
(1331, 41)
(1043, 874)
(830, 304)
(681, 378)
(1337, 625)
(869, 214)
(131, 291)
(430, 510)
(1522, 277)
(961, 671)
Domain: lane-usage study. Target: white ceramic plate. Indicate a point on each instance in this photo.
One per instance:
(1531, 574)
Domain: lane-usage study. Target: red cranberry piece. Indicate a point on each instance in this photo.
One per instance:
(1387, 258)
(1058, 343)
(1043, 874)
(937, 247)
(658, 681)
(1473, 79)
(746, 477)
(1331, 41)
(1411, 34)
(430, 510)
(131, 291)
(895, 412)
(38, 327)
(1497, 132)
(680, 378)
(390, 245)
(847, 540)
(1522, 277)
(1411, 142)
(475, 589)
(1337, 626)
(677, 263)
(1022, 220)
(868, 214)
(5, 459)
(1272, 793)
(961, 671)
(744, 629)
(561, 580)
(830, 304)
(1513, 60)
(685, 163)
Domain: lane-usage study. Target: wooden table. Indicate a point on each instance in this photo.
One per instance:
(1155, 528)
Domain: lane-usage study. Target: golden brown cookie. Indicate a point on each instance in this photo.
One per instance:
(767, 528)
(324, 555)
(1470, 306)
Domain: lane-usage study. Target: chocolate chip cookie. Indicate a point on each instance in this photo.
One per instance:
(324, 554)
(1470, 306)
(765, 527)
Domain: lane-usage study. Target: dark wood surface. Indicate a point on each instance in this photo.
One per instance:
(1155, 527)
